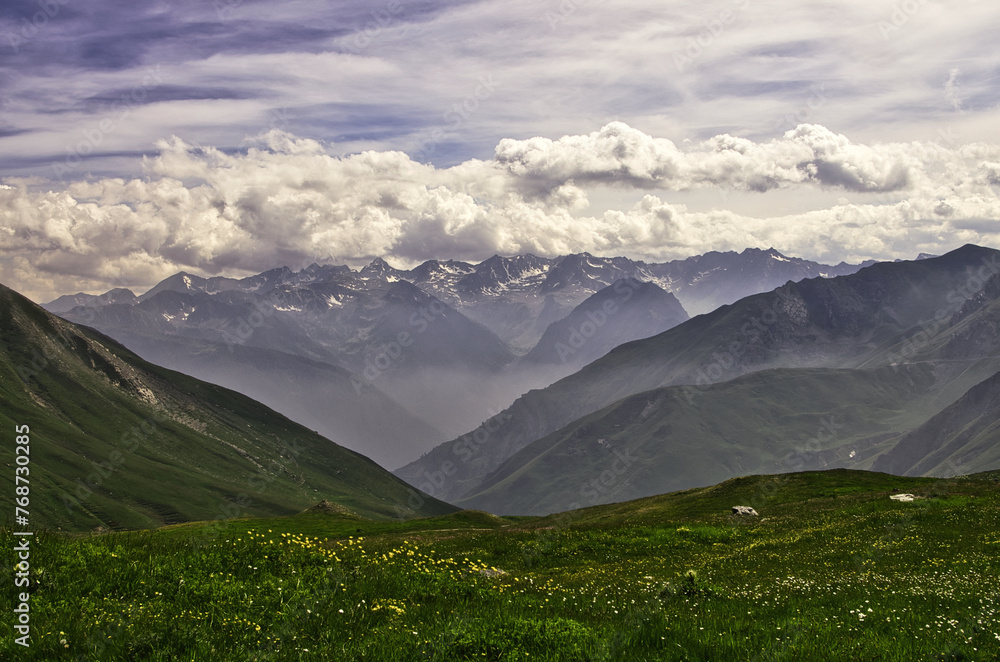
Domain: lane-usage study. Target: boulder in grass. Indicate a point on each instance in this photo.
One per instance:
(328, 508)
(744, 510)
(902, 497)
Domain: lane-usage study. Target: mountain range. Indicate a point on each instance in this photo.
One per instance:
(617, 393)
(118, 442)
(747, 388)
(392, 362)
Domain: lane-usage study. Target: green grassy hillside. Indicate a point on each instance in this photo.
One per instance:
(661, 441)
(118, 442)
(832, 569)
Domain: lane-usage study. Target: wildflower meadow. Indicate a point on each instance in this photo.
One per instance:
(832, 569)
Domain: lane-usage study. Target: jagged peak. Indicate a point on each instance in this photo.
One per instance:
(378, 265)
(278, 270)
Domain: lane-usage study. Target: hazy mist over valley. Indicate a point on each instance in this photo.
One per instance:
(452, 343)
(506, 330)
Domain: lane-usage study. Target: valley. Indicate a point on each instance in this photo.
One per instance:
(449, 342)
(890, 367)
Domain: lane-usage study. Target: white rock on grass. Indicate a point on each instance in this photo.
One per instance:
(744, 510)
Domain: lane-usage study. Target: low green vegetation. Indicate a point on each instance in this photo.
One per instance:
(669, 439)
(833, 569)
(118, 442)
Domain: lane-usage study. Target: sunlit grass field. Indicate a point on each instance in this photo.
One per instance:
(833, 569)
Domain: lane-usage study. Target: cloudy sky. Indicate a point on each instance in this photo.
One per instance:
(233, 136)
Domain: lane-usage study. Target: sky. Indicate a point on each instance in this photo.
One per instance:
(234, 136)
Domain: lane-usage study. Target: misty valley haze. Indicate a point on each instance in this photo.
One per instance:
(575, 381)
(815, 374)
(451, 342)
(580, 380)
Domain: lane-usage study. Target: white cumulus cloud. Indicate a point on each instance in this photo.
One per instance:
(287, 200)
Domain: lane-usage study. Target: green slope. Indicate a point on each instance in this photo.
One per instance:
(660, 441)
(963, 438)
(845, 322)
(329, 399)
(789, 494)
(119, 442)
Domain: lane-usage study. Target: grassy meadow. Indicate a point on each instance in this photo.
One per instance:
(833, 569)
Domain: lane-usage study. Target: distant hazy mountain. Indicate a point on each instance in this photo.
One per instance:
(451, 342)
(383, 336)
(626, 310)
(326, 398)
(118, 442)
(519, 297)
(705, 282)
(869, 319)
(68, 302)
